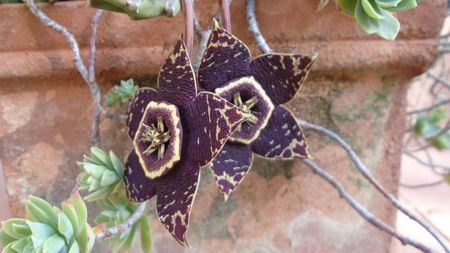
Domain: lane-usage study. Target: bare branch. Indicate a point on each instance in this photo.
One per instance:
(254, 27)
(226, 17)
(61, 29)
(202, 43)
(361, 167)
(423, 185)
(79, 64)
(361, 210)
(352, 155)
(438, 79)
(189, 25)
(445, 169)
(430, 108)
(105, 234)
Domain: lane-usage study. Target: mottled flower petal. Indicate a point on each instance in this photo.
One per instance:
(137, 108)
(138, 187)
(281, 75)
(282, 138)
(154, 165)
(176, 80)
(225, 59)
(231, 165)
(176, 193)
(257, 115)
(212, 121)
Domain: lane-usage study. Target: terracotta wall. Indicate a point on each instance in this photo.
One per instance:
(357, 88)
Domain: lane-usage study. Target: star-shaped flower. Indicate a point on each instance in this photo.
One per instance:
(259, 87)
(175, 130)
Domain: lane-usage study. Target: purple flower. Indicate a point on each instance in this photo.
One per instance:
(175, 130)
(259, 87)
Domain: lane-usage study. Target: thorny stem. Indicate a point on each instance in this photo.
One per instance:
(361, 210)
(189, 25)
(251, 16)
(138, 213)
(226, 16)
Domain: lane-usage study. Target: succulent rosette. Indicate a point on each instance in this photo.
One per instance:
(259, 87)
(175, 130)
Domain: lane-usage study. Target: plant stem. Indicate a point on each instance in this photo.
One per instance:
(188, 9)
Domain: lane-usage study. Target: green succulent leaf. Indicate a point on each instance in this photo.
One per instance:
(372, 9)
(11, 227)
(41, 211)
(121, 94)
(348, 6)
(53, 244)
(404, 5)
(140, 9)
(102, 175)
(40, 233)
(387, 3)
(442, 142)
(74, 248)
(387, 27)
(65, 227)
(6, 239)
(146, 235)
(72, 215)
(86, 238)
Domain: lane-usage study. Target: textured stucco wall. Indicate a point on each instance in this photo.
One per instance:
(357, 88)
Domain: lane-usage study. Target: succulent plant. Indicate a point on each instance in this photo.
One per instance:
(374, 16)
(259, 87)
(121, 94)
(102, 175)
(49, 229)
(175, 129)
(116, 212)
(140, 9)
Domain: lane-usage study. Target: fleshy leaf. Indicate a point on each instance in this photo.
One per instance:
(282, 138)
(176, 193)
(404, 5)
(387, 27)
(372, 9)
(231, 166)
(387, 3)
(213, 120)
(53, 244)
(137, 108)
(176, 80)
(74, 248)
(65, 227)
(281, 75)
(121, 94)
(146, 235)
(41, 211)
(139, 187)
(348, 6)
(40, 233)
(225, 59)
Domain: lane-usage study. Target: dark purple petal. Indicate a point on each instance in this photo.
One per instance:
(281, 75)
(176, 193)
(176, 80)
(138, 187)
(137, 108)
(231, 165)
(257, 115)
(154, 165)
(212, 120)
(225, 59)
(282, 137)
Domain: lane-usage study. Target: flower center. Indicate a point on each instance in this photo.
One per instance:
(157, 138)
(248, 95)
(246, 107)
